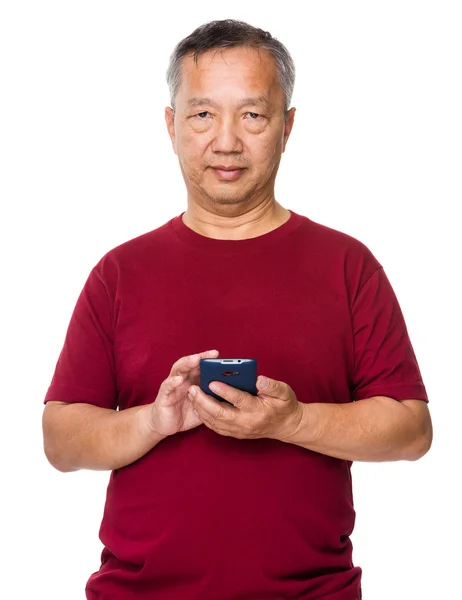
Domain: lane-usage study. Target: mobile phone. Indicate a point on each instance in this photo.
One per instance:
(240, 373)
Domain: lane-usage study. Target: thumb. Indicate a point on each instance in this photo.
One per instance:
(269, 387)
(274, 388)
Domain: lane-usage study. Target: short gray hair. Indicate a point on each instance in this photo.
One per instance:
(230, 33)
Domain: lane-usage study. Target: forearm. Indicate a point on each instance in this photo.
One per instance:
(374, 429)
(83, 436)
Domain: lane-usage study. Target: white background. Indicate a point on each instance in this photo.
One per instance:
(86, 164)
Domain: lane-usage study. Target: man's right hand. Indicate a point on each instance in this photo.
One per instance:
(84, 436)
(172, 412)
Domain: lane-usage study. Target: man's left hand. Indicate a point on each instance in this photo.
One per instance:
(274, 413)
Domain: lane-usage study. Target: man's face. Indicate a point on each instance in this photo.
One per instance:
(229, 112)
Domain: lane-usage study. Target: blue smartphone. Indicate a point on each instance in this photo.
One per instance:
(241, 373)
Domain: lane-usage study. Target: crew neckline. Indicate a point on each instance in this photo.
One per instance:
(192, 238)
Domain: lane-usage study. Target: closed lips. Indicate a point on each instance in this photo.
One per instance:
(232, 168)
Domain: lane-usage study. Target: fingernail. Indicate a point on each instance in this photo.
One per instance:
(263, 382)
(192, 391)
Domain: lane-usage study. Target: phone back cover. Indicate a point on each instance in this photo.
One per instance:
(241, 375)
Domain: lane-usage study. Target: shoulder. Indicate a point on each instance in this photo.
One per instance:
(333, 242)
(330, 239)
(136, 249)
(335, 249)
(134, 255)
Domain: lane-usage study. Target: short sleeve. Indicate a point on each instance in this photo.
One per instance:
(85, 369)
(385, 363)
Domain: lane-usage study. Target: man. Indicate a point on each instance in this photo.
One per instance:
(252, 499)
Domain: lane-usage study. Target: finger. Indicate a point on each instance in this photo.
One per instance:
(209, 410)
(184, 365)
(236, 397)
(273, 388)
(170, 384)
(194, 370)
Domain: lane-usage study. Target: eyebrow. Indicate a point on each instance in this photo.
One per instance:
(251, 101)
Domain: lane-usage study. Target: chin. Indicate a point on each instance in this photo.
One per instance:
(228, 194)
(226, 199)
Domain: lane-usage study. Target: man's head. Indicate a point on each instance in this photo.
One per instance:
(231, 85)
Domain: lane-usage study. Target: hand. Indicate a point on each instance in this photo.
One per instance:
(172, 412)
(274, 413)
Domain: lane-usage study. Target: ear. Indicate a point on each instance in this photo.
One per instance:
(170, 121)
(288, 126)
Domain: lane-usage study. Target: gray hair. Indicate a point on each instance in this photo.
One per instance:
(230, 33)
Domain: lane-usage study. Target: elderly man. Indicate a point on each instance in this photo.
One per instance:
(249, 499)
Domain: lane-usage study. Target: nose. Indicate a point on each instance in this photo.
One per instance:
(227, 137)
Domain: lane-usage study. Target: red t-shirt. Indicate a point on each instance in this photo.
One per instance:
(207, 517)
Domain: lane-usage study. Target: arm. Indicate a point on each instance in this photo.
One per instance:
(91, 434)
(374, 429)
(83, 436)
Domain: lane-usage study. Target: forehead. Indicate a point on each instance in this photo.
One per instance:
(230, 72)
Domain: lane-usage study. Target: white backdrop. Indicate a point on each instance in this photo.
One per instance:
(86, 164)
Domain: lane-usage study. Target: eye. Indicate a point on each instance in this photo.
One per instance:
(202, 115)
(253, 116)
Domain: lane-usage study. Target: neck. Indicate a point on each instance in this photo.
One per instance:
(235, 223)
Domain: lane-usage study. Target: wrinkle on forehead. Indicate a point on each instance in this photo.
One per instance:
(209, 56)
(223, 50)
(238, 69)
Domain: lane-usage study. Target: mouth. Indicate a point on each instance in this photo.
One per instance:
(228, 173)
